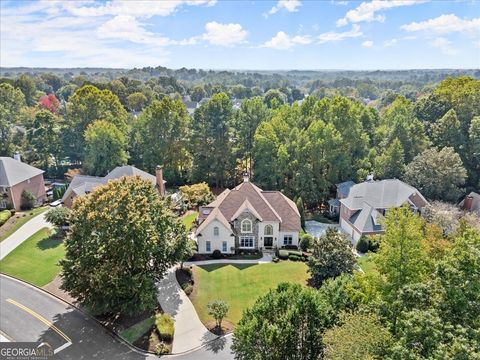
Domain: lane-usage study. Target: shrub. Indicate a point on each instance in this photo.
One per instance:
(187, 288)
(165, 326)
(275, 259)
(295, 258)
(362, 245)
(12, 211)
(283, 254)
(27, 200)
(291, 247)
(216, 254)
(296, 253)
(305, 241)
(162, 349)
(4, 216)
(374, 242)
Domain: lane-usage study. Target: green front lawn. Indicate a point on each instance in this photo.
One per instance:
(18, 220)
(366, 263)
(241, 284)
(36, 259)
(189, 219)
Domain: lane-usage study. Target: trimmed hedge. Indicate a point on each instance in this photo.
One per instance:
(283, 254)
(217, 254)
(165, 327)
(4, 216)
(295, 258)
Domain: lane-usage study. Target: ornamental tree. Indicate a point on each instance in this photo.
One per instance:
(332, 256)
(218, 309)
(49, 102)
(122, 240)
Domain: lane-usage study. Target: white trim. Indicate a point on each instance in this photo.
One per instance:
(246, 237)
(245, 231)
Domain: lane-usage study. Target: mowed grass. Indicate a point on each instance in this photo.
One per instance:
(366, 263)
(36, 259)
(134, 332)
(20, 221)
(241, 284)
(189, 219)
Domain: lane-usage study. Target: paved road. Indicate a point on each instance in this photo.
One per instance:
(22, 234)
(29, 314)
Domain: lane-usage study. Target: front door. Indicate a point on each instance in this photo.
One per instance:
(268, 241)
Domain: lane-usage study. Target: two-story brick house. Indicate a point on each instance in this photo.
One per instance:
(247, 218)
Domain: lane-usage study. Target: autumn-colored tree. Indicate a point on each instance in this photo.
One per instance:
(49, 102)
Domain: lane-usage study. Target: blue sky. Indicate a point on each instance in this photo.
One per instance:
(294, 34)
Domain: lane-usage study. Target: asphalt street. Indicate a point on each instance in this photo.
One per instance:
(32, 315)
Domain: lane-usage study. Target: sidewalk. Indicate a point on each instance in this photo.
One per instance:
(22, 234)
(190, 333)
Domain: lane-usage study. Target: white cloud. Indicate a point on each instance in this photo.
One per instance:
(476, 44)
(138, 8)
(366, 11)
(444, 24)
(333, 36)
(283, 41)
(367, 43)
(289, 5)
(126, 27)
(224, 34)
(391, 42)
(444, 45)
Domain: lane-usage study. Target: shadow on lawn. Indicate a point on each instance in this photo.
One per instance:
(213, 267)
(50, 242)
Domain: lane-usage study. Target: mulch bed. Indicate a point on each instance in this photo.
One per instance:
(227, 327)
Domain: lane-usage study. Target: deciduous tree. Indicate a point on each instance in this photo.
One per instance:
(122, 240)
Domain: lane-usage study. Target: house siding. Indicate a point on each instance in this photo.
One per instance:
(35, 185)
(216, 241)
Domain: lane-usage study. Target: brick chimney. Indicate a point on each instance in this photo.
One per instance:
(467, 203)
(160, 183)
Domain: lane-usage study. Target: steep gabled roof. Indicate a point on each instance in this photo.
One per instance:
(214, 215)
(13, 172)
(367, 220)
(246, 206)
(287, 210)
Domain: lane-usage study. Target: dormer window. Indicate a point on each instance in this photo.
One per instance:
(216, 231)
(246, 226)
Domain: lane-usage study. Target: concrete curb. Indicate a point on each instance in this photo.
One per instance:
(110, 332)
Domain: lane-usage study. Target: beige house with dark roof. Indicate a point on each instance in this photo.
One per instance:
(247, 218)
(16, 177)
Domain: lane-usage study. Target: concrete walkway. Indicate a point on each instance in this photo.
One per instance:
(22, 234)
(190, 333)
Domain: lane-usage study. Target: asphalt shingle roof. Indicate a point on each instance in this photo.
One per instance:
(13, 172)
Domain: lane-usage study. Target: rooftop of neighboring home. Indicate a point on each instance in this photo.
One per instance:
(343, 188)
(471, 202)
(382, 194)
(13, 171)
(264, 205)
(84, 184)
(369, 199)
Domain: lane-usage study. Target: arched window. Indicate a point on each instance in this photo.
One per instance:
(216, 231)
(246, 226)
(268, 230)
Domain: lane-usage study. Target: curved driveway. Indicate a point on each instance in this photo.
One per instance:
(32, 315)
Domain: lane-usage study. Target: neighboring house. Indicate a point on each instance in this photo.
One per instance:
(343, 189)
(362, 211)
(16, 177)
(82, 185)
(247, 218)
(471, 202)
